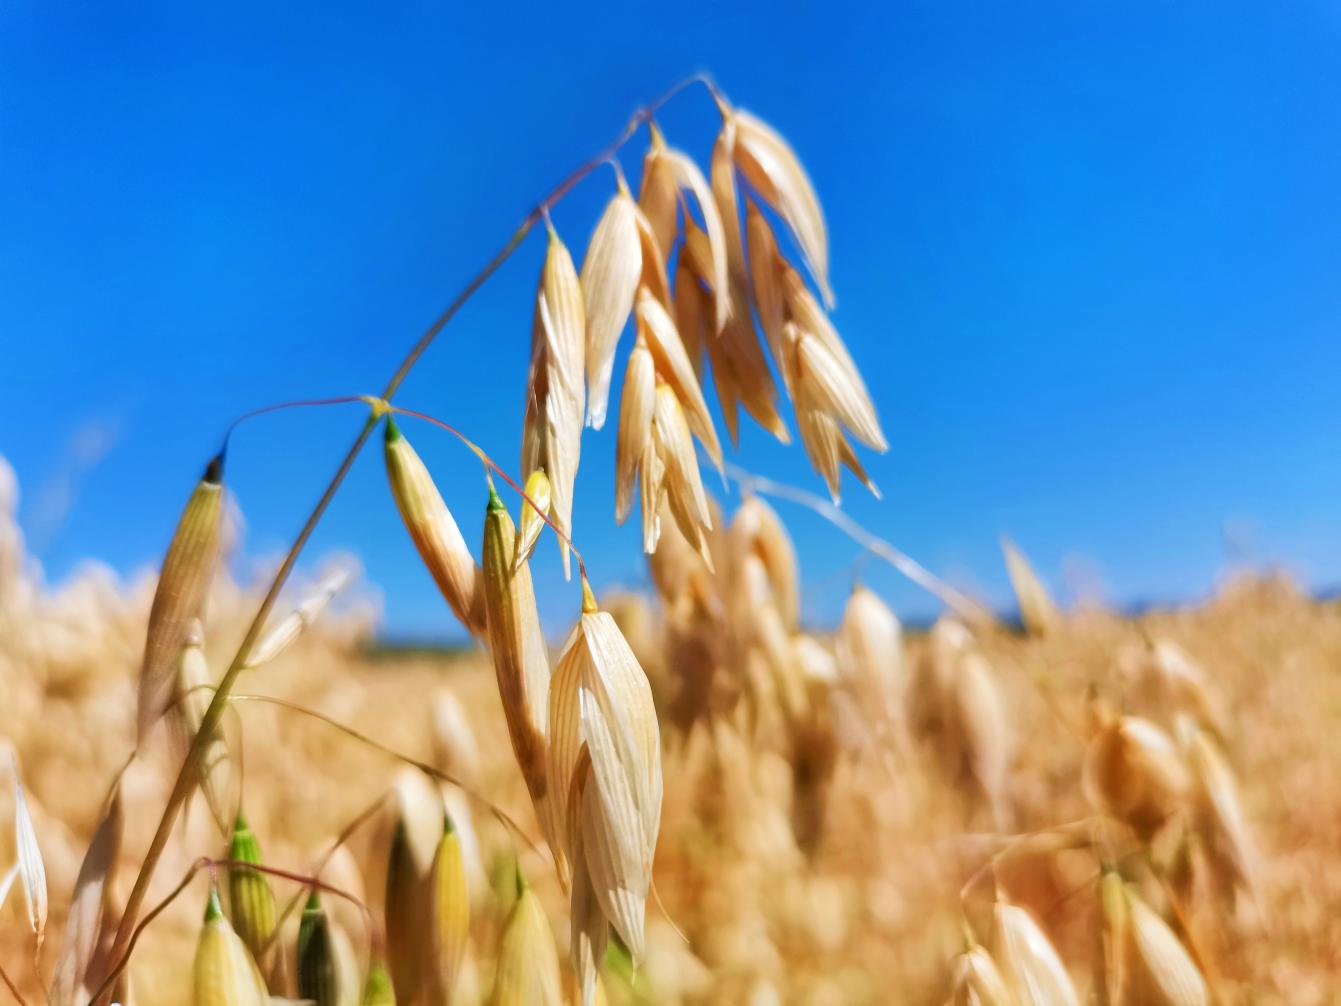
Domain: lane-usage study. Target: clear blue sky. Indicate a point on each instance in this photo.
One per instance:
(1089, 257)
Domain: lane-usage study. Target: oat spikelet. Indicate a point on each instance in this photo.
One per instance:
(318, 974)
(666, 174)
(757, 529)
(528, 963)
(32, 869)
(1029, 961)
(520, 663)
(1037, 610)
(84, 923)
(1220, 819)
(1134, 772)
(251, 902)
(433, 530)
(180, 595)
(870, 655)
(194, 690)
(976, 981)
(408, 904)
(552, 429)
(1163, 972)
(377, 990)
(224, 973)
(602, 702)
(589, 928)
(610, 275)
(775, 172)
(532, 520)
(282, 636)
(451, 912)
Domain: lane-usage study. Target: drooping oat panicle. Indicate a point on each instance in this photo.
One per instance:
(521, 665)
(224, 972)
(451, 913)
(666, 174)
(774, 171)
(282, 636)
(433, 530)
(975, 980)
(610, 275)
(1038, 612)
(552, 429)
(180, 596)
(85, 920)
(378, 990)
(601, 699)
(1134, 772)
(318, 979)
(528, 963)
(1163, 972)
(1029, 960)
(194, 690)
(532, 519)
(32, 868)
(251, 902)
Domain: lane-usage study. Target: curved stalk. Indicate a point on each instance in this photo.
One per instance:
(186, 776)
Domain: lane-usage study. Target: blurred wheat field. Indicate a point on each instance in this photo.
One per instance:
(821, 870)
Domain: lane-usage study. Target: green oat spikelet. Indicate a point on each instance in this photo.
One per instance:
(528, 963)
(251, 901)
(378, 990)
(451, 911)
(224, 973)
(317, 978)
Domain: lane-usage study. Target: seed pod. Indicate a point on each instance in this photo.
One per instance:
(532, 522)
(1030, 962)
(433, 530)
(520, 662)
(180, 596)
(378, 990)
(193, 693)
(32, 870)
(528, 963)
(224, 974)
(451, 911)
(1037, 610)
(251, 902)
(85, 921)
(317, 979)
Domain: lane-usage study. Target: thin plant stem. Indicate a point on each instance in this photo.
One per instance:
(504, 818)
(956, 600)
(494, 467)
(185, 777)
(14, 989)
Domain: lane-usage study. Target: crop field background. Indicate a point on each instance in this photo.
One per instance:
(732, 505)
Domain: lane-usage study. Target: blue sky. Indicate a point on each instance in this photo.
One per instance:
(1089, 257)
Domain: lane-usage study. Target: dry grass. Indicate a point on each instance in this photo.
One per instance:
(874, 907)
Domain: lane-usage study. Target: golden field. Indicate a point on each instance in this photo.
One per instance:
(806, 858)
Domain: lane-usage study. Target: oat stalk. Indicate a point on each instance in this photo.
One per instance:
(185, 777)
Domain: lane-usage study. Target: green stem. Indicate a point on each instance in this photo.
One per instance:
(186, 777)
